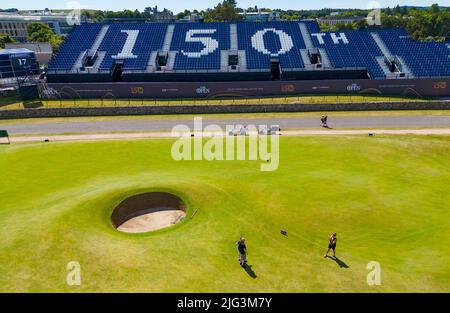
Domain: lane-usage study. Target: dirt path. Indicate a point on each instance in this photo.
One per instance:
(84, 137)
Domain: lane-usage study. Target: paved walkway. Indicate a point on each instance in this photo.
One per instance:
(164, 125)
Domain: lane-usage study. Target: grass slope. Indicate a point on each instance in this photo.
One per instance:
(16, 104)
(386, 197)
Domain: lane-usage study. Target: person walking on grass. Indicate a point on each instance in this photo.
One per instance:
(242, 249)
(332, 245)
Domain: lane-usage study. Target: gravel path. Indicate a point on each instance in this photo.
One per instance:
(84, 137)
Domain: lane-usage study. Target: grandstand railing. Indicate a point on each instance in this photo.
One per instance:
(90, 71)
(86, 71)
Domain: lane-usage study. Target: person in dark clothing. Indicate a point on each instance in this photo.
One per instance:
(324, 120)
(242, 249)
(332, 245)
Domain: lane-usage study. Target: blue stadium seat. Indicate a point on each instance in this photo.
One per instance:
(312, 26)
(360, 50)
(150, 38)
(263, 41)
(425, 59)
(198, 47)
(189, 51)
(81, 38)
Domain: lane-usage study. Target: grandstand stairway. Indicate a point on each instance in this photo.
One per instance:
(322, 62)
(168, 38)
(238, 63)
(392, 66)
(79, 64)
(90, 60)
(100, 57)
(306, 36)
(152, 62)
(242, 60)
(171, 61)
(324, 58)
(98, 41)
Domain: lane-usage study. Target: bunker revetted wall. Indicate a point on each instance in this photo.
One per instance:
(145, 203)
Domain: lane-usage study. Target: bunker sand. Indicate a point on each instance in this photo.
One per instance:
(152, 221)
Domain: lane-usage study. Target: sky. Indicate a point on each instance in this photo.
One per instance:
(179, 5)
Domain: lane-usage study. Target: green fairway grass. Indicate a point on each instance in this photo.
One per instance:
(387, 197)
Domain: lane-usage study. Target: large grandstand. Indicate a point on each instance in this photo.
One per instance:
(149, 48)
(228, 52)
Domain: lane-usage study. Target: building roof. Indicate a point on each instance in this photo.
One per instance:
(337, 17)
(32, 18)
(37, 47)
(15, 51)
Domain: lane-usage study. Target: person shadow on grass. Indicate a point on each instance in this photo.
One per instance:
(338, 261)
(249, 270)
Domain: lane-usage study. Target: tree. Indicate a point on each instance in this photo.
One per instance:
(445, 20)
(435, 9)
(183, 14)
(128, 14)
(55, 42)
(40, 32)
(93, 15)
(4, 39)
(361, 24)
(223, 12)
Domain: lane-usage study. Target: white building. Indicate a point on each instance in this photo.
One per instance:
(15, 24)
(335, 19)
(260, 16)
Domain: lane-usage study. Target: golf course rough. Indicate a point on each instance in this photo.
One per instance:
(387, 197)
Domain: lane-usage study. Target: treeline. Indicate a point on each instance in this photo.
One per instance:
(4, 39)
(100, 16)
(431, 23)
(224, 11)
(427, 23)
(37, 32)
(41, 32)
